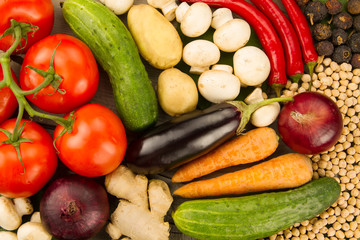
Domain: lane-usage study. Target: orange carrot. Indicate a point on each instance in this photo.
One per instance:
(255, 145)
(286, 171)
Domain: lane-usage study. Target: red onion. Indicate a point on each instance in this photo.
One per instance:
(310, 124)
(74, 207)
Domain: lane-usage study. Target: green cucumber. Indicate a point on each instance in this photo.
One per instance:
(116, 51)
(255, 216)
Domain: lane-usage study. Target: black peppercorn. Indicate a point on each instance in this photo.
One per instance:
(356, 23)
(322, 31)
(353, 7)
(324, 48)
(354, 42)
(334, 7)
(302, 3)
(343, 20)
(355, 60)
(342, 54)
(315, 11)
(339, 36)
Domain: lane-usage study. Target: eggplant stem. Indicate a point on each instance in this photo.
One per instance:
(248, 110)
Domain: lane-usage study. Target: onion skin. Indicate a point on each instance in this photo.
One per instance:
(310, 124)
(74, 207)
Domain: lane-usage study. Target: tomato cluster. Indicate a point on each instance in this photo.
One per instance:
(59, 75)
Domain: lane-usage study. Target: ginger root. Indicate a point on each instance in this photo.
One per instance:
(142, 206)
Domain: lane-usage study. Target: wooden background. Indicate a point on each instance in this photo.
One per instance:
(104, 96)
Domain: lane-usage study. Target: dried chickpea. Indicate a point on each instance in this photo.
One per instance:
(342, 161)
(327, 61)
(303, 237)
(311, 235)
(319, 68)
(334, 66)
(340, 234)
(320, 236)
(353, 226)
(331, 232)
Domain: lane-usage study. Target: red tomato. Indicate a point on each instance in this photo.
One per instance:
(39, 158)
(39, 13)
(8, 102)
(97, 143)
(75, 64)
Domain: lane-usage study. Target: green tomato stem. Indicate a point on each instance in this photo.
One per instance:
(18, 92)
(17, 41)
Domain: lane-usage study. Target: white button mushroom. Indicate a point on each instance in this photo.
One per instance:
(11, 211)
(35, 217)
(265, 115)
(251, 65)
(33, 230)
(218, 86)
(223, 67)
(168, 7)
(232, 35)
(196, 20)
(220, 17)
(181, 10)
(8, 235)
(200, 55)
(118, 6)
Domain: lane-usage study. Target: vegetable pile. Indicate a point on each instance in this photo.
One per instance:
(216, 119)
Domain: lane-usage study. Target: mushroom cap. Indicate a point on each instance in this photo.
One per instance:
(223, 67)
(255, 96)
(33, 230)
(4, 235)
(218, 86)
(169, 10)
(251, 65)
(232, 35)
(220, 17)
(265, 115)
(181, 10)
(196, 20)
(118, 7)
(157, 3)
(201, 53)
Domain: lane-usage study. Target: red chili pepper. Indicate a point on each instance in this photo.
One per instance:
(265, 32)
(294, 62)
(302, 29)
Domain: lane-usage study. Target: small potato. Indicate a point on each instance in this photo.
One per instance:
(177, 92)
(156, 38)
(251, 66)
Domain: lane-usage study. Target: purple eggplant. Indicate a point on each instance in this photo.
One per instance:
(189, 136)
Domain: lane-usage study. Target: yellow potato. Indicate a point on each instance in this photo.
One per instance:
(157, 39)
(177, 92)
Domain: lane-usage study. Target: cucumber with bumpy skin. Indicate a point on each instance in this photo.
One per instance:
(255, 216)
(114, 48)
